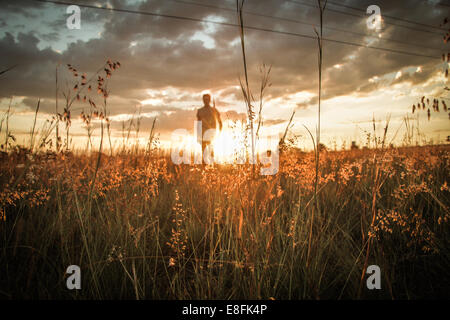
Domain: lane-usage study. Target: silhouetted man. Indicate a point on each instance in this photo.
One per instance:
(210, 119)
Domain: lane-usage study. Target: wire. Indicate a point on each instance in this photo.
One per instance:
(362, 16)
(386, 16)
(236, 25)
(442, 4)
(306, 23)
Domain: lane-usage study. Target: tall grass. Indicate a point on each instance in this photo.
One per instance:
(248, 97)
(151, 230)
(141, 227)
(317, 142)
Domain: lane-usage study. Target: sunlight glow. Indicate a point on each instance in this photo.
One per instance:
(229, 145)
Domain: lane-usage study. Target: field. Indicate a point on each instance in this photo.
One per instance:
(141, 227)
(327, 225)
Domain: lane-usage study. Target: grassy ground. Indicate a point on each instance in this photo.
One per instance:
(142, 228)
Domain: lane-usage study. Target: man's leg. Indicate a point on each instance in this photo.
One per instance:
(210, 153)
(207, 137)
(204, 145)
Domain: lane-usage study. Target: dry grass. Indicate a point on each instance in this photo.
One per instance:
(141, 227)
(149, 229)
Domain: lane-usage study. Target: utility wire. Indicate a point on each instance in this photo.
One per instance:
(387, 16)
(363, 16)
(236, 25)
(442, 4)
(307, 23)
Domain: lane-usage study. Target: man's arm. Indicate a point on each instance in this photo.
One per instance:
(218, 119)
(199, 128)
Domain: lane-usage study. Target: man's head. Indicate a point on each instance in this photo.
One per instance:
(206, 99)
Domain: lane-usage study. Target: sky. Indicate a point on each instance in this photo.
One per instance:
(168, 63)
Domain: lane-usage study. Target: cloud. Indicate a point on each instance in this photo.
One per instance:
(272, 122)
(160, 54)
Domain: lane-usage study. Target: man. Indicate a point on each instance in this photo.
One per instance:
(210, 118)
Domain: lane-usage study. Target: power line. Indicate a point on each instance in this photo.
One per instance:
(236, 25)
(362, 16)
(386, 16)
(306, 23)
(443, 4)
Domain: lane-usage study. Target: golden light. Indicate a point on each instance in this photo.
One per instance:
(228, 144)
(231, 145)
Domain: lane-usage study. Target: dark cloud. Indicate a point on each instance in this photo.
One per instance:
(233, 116)
(166, 122)
(272, 122)
(158, 53)
(51, 36)
(34, 75)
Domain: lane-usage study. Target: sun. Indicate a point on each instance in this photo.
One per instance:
(229, 143)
